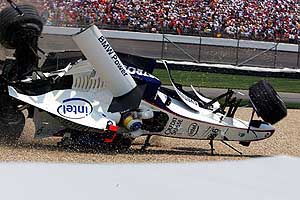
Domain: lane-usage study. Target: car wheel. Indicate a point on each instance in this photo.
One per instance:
(267, 103)
(14, 27)
(12, 123)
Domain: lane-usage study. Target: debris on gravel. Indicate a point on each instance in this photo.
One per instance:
(285, 141)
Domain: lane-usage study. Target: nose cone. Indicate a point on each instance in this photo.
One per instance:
(264, 131)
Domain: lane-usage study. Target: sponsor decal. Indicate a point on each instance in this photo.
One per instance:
(242, 134)
(215, 131)
(109, 50)
(188, 99)
(212, 132)
(174, 126)
(268, 134)
(75, 108)
(140, 72)
(193, 129)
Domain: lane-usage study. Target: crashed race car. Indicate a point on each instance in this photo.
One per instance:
(107, 100)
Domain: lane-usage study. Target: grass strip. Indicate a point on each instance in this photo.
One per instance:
(215, 80)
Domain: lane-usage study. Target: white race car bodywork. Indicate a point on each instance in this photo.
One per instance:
(93, 102)
(186, 123)
(87, 102)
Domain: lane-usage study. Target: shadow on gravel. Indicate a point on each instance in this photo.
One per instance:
(183, 151)
(208, 151)
(73, 149)
(191, 152)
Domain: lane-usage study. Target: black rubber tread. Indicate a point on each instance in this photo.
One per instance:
(10, 15)
(267, 103)
(12, 121)
(11, 22)
(11, 126)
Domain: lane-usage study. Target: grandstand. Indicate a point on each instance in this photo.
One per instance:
(268, 20)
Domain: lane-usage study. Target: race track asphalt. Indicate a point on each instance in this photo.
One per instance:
(210, 54)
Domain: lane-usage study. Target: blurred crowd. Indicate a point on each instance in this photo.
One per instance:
(253, 19)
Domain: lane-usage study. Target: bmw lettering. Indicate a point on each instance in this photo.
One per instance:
(75, 108)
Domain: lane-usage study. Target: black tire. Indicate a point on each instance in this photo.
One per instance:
(13, 26)
(267, 102)
(12, 124)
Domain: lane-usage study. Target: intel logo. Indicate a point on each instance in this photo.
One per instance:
(75, 108)
(193, 129)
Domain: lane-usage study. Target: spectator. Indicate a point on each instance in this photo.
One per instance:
(252, 19)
